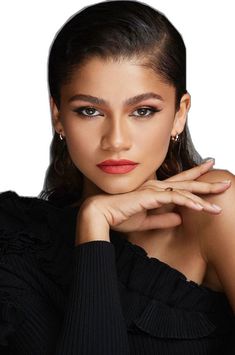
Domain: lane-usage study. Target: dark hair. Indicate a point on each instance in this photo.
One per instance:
(115, 29)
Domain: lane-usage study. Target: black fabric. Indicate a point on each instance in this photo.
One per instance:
(97, 298)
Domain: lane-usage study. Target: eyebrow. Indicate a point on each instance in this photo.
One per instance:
(128, 102)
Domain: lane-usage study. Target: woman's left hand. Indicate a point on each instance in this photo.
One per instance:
(186, 184)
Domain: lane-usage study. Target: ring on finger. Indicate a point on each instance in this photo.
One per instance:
(169, 188)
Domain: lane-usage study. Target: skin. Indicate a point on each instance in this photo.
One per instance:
(119, 131)
(116, 134)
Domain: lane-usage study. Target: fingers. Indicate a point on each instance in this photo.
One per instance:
(188, 190)
(202, 204)
(193, 173)
(194, 186)
(185, 198)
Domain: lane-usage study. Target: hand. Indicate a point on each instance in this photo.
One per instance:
(131, 211)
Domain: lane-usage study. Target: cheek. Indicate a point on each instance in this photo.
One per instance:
(80, 144)
(156, 140)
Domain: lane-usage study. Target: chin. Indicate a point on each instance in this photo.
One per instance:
(114, 189)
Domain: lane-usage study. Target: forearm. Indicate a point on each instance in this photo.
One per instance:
(94, 323)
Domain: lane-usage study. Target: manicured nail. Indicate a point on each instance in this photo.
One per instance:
(217, 208)
(209, 160)
(227, 182)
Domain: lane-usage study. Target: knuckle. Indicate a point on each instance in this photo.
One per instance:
(199, 200)
(173, 195)
(180, 191)
(200, 168)
(210, 187)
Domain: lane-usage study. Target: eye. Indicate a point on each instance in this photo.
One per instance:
(89, 109)
(80, 111)
(143, 110)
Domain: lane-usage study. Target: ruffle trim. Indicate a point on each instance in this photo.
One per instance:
(158, 300)
(156, 279)
(162, 321)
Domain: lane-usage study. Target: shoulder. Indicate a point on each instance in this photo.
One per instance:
(18, 223)
(27, 208)
(224, 199)
(36, 233)
(217, 226)
(18, 211)
(30, 223)
(12, 210)
(216, 232)
(215, 175)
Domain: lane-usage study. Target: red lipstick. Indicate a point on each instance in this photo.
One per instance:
(117, 162)
(121, 166)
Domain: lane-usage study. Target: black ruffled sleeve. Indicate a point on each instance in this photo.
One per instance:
(39, 312)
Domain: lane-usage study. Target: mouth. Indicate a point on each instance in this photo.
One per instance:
(121, 166)
(113, 162)
(117, 169)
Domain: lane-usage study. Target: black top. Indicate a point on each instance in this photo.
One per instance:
(97, 298)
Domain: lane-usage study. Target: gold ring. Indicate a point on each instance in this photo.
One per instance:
(169, 189)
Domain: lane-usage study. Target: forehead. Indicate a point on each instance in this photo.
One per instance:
(122, 78)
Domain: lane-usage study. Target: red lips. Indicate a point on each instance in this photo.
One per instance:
(117, 162)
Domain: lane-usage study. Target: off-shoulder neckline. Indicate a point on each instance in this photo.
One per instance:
(119, 240)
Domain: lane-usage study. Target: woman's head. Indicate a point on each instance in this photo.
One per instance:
(118, 29)
(116, 50)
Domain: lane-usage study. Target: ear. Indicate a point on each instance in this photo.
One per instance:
(55, 114)
(181, 114)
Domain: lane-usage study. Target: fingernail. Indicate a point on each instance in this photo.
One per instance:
(218, 208)
(226, 182)
(209, 160)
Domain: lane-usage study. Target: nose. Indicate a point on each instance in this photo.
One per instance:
(116, 136)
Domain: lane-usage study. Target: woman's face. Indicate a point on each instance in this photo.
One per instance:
(118, 127)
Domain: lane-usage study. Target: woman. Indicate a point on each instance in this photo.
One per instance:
(119, 257)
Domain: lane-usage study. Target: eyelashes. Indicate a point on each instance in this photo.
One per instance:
(80, 110)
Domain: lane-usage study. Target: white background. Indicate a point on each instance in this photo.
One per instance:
(27, 29)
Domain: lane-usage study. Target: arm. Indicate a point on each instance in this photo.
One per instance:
(94, 323)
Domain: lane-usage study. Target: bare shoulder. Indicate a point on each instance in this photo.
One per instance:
(205, 221)
(216, 232)
(223, 199)
(216, 223)
(215, 175)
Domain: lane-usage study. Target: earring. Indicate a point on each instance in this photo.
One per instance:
(61, 137)
(176, 138)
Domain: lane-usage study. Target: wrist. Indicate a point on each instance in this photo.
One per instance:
(91, 226)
